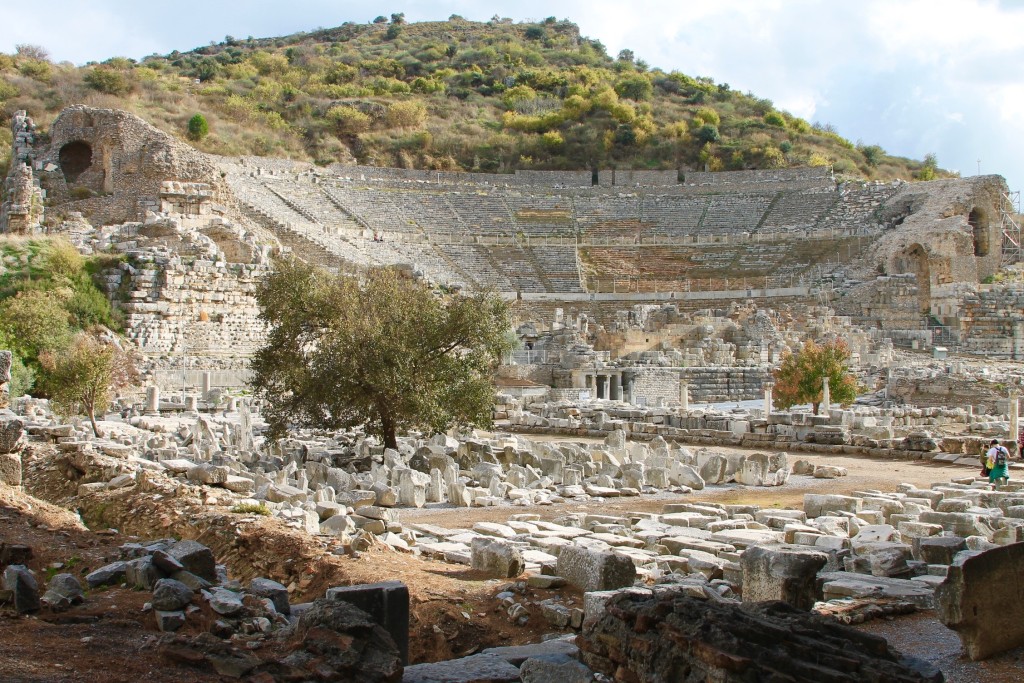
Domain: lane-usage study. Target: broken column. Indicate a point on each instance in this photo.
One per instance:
(768, 386)
(684, 396)
(826, 399)
(152, 400)
(1014, 416)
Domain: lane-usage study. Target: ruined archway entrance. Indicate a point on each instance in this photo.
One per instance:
(75, 159)
(979, 227)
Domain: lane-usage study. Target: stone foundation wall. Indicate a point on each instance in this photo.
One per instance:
(178, 307)
(992, 322)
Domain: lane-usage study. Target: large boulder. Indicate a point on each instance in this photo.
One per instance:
(24, 589)
(196, 558)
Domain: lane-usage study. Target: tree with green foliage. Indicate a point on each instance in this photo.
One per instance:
(198, 128)
(800, 377)
(634, 87)
(383, 352)
(707, 133)
(84, 376)
(107, 80)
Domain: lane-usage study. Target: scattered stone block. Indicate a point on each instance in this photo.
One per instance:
(784, 572)
(594, 570)
(982, 600)
(387, 604)
(496, 557)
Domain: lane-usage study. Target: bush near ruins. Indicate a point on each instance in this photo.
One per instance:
(382, 352)
(800, 377)
(83, 376)
(47, 294)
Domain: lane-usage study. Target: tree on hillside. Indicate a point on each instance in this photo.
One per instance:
(800, 377)
(198, 127)
(383, 352)
(84, 376)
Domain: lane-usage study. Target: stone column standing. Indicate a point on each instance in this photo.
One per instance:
(207, 382)
(684, 396)
(768, 398)
(1015, 418)
(826, 399)
(152, 400)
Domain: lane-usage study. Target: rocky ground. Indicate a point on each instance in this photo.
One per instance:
(454, 610)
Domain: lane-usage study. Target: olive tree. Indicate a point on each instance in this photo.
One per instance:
(379, 351)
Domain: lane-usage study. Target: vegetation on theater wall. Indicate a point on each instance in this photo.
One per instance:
(48, 293)
(799, 379)
(385, 353)
(494, 96)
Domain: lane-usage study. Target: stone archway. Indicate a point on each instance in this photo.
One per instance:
(75, 159)
(978, 221)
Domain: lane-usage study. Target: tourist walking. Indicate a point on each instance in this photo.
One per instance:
(998, 463)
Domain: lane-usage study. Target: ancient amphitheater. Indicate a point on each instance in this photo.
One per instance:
(641, 298)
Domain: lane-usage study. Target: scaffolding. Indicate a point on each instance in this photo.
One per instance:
(1009, 214)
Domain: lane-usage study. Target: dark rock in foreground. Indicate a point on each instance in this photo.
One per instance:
(675, 639)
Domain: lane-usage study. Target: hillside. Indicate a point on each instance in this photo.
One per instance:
(454, 95)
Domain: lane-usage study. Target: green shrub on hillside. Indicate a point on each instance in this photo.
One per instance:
(198, 127)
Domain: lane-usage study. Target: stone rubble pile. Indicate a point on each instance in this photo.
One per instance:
(347, 486)
(890, 547)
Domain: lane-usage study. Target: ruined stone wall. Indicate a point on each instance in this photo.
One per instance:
(992, 322)
(930, 231)
(653, 384)
(21, 198)
(820, 174)
(123, 163)
(712, 385)
(176, 306)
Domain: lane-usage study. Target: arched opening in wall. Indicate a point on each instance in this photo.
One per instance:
(915, 261)
(75, 159)
(979, 226)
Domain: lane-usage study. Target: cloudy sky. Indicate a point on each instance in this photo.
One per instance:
(914, 76)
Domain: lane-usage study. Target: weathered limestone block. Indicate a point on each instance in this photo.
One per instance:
(982, 599)
(762, 469)
(938, 549)
(781, 572)
(12, 432)
(816, 505)
(497, 557)
(196, 558)
(595, 570)
(412, 488)
(714, 469)
(10, 469)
